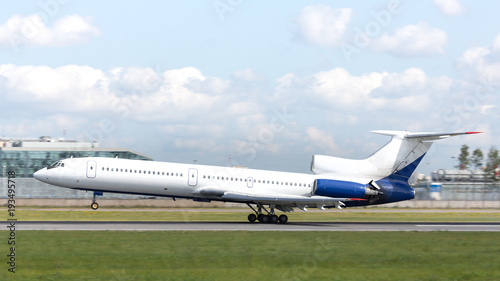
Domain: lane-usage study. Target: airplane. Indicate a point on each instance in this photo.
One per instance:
(334, 183)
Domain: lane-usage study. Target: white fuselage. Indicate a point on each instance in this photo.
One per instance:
(170, 179)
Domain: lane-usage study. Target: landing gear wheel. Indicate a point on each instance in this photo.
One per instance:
(259, 217)
(252, 218)
(273, 218)
(94, 206)
(263, 218)
(283, 219)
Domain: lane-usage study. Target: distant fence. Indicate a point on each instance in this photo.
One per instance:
(484, 191)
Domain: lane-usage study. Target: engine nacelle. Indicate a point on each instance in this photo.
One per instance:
(342, 189)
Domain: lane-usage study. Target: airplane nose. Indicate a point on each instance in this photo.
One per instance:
(41, 175)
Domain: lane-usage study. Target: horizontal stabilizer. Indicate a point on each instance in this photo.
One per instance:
(422, 136)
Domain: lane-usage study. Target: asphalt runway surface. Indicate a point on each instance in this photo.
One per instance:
(246, 226)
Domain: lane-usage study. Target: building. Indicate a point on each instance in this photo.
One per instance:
(27, 156)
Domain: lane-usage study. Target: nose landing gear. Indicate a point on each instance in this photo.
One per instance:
(94, 204)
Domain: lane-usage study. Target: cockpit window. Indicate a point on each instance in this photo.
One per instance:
(55, 165)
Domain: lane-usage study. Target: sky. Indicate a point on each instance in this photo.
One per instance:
(265, 83)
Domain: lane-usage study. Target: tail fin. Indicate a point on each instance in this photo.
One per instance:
(404, 152)
(400, 157)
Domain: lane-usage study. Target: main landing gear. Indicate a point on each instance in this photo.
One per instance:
(94, 204)
(263, 218)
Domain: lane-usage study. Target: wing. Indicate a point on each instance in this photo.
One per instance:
(281, 201)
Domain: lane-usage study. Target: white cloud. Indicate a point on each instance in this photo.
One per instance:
(482, 63)
(484, 108)
(32, 31)
(449, 7)
(413, 40)
(72, 87)
(323, 25)
(404, 100)
(323, 140)
(339, 88)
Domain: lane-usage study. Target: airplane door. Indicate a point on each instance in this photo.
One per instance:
(250, 182)
(91, 168)
(193, 177)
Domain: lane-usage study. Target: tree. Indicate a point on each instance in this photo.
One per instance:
(477, 158)
(463, 158)
(492, 162)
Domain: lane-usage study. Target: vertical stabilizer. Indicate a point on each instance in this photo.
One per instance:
(404, 152)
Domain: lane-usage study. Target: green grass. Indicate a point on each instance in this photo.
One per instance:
(104, 255)
(326, 216)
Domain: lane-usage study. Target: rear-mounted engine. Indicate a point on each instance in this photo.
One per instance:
(345, 189)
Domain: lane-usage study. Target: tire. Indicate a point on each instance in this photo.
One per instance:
(274, 219)
(283, 219)
(94, 206)
(252, 218)
(263, 218)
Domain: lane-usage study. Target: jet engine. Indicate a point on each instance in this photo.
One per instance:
(345, 189)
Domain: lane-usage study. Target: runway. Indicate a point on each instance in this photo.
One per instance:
(246, 226)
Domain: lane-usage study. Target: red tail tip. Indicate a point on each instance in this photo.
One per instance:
(470, 133)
